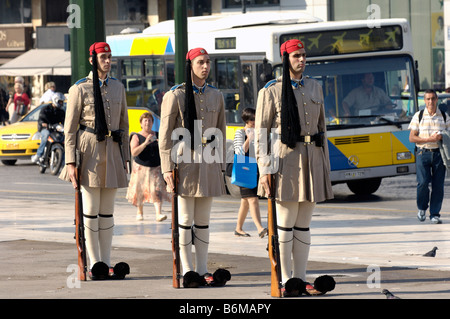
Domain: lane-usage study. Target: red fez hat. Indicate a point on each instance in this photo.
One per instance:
(99, 47)
(291, 46)
(193, 53)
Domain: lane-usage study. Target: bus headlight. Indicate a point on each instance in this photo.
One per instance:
(404, 156)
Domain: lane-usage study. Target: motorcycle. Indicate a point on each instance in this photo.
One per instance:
(54, 150)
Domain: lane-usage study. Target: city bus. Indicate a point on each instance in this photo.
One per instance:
(366, 144)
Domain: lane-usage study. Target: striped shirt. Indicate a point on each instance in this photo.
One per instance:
(238, 143)
(428, 125)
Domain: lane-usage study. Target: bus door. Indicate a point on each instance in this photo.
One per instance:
(224, 75)
(255, 74)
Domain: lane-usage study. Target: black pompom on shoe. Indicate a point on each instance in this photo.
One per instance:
(99, 271)
(294, 287)
(191, 279)
(121, 270)
(220, 277)
(324, 283)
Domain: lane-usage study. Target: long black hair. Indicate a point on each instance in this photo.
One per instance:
(190, 112)
(101, 129)
(290, 121)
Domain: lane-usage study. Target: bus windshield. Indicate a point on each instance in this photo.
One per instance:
(365, 91)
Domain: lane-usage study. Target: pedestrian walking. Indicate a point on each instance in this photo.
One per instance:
(244, 145)
(146, 180)
(293, 106)
(96, 128)
(18, 103)
(426, 129)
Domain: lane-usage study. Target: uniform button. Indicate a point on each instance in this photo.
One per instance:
(304, 103)
(303, 94)
(201, 109)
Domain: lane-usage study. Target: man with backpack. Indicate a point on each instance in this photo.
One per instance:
(426, 130)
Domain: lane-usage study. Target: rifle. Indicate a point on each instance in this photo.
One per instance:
(176, 276)
(274, 249)
(79, 226)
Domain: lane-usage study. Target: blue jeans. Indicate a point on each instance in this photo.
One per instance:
(430, 169)
(44, 136)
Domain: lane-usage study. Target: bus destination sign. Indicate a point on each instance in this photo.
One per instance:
(225, 43)
(336, 42)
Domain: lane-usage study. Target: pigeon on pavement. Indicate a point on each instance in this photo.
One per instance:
(389, 295)
(431, 253)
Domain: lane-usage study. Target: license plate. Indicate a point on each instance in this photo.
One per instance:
(354, 174)
(12, 146)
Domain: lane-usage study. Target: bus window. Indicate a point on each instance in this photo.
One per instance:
(114, 69)
(226, 75)
(153, 88)
(153, 93)
(247, 79)
(170, 73)
(133, 89)
(227, 71)
(265, 73)
(132, 67)
(154, 67)
(366, 91)
(331, 100)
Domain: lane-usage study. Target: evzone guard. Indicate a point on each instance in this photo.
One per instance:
(292, 105)
(193, 108)
(96, 133)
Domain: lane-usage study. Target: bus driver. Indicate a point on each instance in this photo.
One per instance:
(366, 97)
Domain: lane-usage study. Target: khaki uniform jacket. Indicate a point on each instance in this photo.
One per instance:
(203, 179)
(303, 173)
(102, 164)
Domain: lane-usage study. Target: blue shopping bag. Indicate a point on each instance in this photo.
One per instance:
(245, 171)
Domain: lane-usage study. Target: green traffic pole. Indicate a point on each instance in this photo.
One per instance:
(87, 25)
(181, 39)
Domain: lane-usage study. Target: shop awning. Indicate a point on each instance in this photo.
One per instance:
(39, 62)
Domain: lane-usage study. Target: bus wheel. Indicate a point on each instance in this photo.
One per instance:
(364, 186)
(231, 188)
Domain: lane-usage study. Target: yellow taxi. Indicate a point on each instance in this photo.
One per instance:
(21, 139)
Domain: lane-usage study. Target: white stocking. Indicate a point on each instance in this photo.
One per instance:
(105, 236)
(293, 220)
(91, 236)
(98, 209)
(194, 210)
(186, 248)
